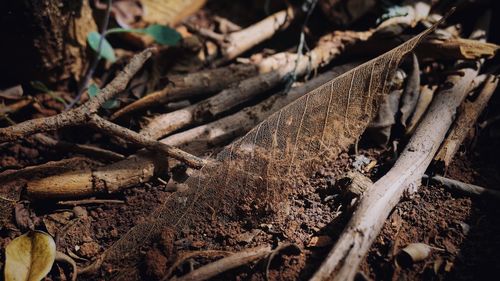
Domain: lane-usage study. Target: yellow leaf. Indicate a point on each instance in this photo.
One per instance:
(29, 257)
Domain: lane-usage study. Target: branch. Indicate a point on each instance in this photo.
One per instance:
(88, 150)
(464, 187)
(124, 133)
(86, 114)
(238, 42)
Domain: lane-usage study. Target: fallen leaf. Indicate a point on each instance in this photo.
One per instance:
(413, 253)
(29, 257)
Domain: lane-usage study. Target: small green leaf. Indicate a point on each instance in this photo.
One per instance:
(37, 85)
(110, 104)
(107, 51)
(93, 90)
(163, 34)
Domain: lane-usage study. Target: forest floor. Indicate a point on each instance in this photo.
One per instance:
(463, 230)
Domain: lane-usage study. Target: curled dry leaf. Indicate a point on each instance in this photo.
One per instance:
(413, 253)
(29, 257)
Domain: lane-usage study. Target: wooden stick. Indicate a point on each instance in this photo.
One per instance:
(89, 202)
(88, 150)
(404, 178)
(191, 85)
(464, 187)
(238, 42)
(465, 121)
(213, 269)
(276, 67)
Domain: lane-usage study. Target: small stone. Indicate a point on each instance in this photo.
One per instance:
(80, 212)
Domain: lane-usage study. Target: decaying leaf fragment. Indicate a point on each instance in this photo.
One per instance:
(458, 48)
(29, 257)
(413, 253)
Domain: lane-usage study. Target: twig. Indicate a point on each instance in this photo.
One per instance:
(124, 133)
(89, 202)
(79, 115)
(236, 43)
(213, 269)
(464, 187)
(185, 256)
(88, 150)
(93, 66)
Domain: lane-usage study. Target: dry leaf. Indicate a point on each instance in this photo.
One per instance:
(413, 253)
(458, 48)
(411, 92)
(29, 257)
(12, 93)
(169, 12)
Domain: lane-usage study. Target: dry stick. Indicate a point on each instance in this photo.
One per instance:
(89, 202)
(329, 47)
(191, 85)
(89, 150)
(87, 114)
(404, 178)
(198, 139)
(238, 42)
(464, 187)
(465, 121)
(213, 269)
